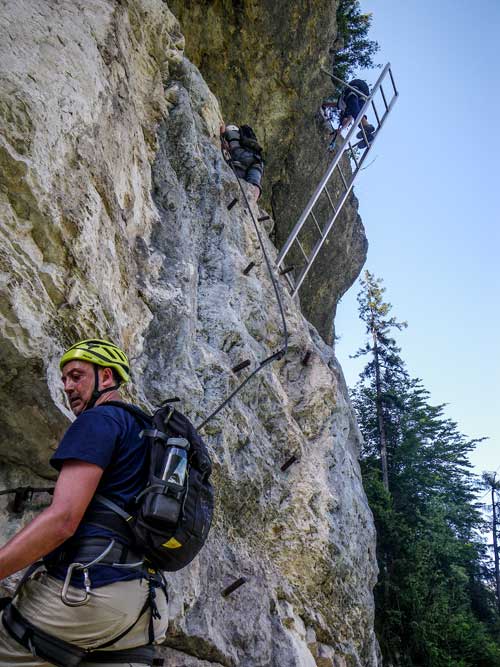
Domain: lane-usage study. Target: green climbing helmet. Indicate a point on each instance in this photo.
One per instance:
(100, 352)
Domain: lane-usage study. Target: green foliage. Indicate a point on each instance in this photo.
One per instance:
(434, 605)
(352, 49)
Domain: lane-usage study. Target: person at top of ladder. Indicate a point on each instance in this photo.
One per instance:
(349, 105)
(244, 153)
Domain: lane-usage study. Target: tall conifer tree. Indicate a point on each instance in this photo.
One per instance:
(434, 605)
(385, 365)
(493, 484)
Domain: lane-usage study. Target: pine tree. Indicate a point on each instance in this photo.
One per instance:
(352, 47)
(494, 486)
(434, 606)
(385, 367)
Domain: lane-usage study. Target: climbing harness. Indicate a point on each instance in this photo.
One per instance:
(65, 654)
(314, 214)
(283, 350)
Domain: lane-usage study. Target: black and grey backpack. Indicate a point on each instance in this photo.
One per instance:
(170, 519)
(248, 139)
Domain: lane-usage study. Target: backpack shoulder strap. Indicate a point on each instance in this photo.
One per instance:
(112, 506)
(132, 409)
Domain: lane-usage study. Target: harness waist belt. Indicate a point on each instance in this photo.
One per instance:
(142, 654)
(62, 653)
(88, 548)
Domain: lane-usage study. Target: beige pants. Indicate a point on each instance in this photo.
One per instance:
(110, 610)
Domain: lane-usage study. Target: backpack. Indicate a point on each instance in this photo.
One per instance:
(358, 84)
(249, 140)
(167, 543)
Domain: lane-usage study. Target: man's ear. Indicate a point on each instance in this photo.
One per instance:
(107, 378)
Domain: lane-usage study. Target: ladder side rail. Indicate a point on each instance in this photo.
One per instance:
(336, 160)
(368, 101)
(307, 209)
(318, 244)
(385, 114)
(324, 181)
(365, 152)
(330, 224)
(387, 110)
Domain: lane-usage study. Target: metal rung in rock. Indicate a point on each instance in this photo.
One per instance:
(289, 269)
(247, 270)
(232, 203)
(19, 501)
(241, 366)
(311, 213)
(293, 459)
(232, 587)
(306, 358)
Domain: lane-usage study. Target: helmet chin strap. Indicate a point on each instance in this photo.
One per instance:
(97, 393)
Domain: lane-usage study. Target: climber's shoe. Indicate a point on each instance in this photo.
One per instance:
(363, 144)
(369, 129)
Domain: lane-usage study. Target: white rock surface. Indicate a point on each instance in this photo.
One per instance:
(114, 223)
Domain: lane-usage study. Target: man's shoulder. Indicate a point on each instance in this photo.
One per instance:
(115, 409)
(103, 412)
(109, 416)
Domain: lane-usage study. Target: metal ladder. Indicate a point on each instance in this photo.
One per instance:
(334, 204)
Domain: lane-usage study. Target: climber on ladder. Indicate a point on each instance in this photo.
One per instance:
(348, 106)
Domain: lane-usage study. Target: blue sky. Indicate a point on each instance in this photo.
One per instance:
(430, 206)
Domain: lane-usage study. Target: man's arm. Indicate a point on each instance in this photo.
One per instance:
(73, 492)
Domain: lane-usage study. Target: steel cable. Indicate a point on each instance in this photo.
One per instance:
(283, 350)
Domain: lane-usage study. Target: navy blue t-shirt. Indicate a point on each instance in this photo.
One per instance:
(109, 437)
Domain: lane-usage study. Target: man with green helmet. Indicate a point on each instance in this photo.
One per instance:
(90, 601)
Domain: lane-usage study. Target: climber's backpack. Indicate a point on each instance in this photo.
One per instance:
(249, 140)
(165, 545)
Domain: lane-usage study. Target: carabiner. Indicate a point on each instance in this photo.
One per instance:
(86, 578)
(64, 591)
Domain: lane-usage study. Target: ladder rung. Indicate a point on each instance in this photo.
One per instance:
(290, 282)
(342, 177)
(325, 189)
(392, 81)
(376, 113)
(316, 223)
(303, 251)
(383, 96)
(353, 155)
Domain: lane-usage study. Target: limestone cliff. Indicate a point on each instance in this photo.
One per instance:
(114, 222)
(263, 60)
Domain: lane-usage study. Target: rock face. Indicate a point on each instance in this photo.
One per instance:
(263, 61)
(114, 223)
